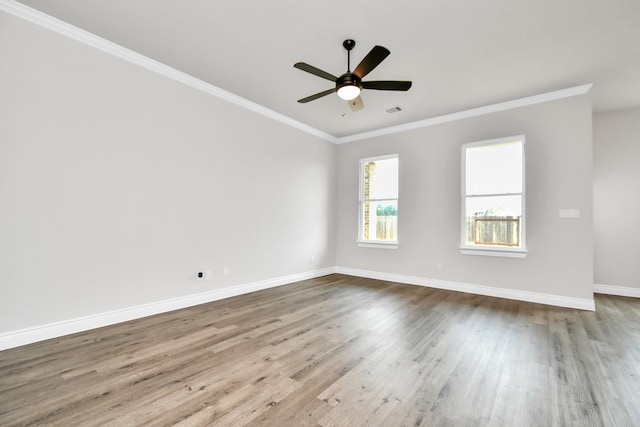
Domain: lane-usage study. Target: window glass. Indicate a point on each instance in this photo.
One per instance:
(379, 199)
(493, 194)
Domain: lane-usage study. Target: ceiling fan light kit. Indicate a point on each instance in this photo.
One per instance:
(349, 84)
(348, 91)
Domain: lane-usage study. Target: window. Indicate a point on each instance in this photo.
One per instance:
(378, 224)
(493, 198)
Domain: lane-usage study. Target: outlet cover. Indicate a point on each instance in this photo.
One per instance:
(569, 213)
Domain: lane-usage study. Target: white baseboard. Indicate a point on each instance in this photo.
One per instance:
(621, 291)
(39, 333)
(53, 330)
(548, 299)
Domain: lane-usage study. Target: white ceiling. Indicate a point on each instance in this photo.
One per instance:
(460, 54)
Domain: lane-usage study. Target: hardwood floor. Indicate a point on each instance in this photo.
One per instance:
(338, 351)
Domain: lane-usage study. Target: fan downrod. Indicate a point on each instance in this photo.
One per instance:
(348, 45)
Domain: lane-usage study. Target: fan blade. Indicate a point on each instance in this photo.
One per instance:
(371, 61)
(315, 71)
(387, 85)
(316, 96)
(356, 104)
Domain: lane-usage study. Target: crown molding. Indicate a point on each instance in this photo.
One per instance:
(46, 21)
(474, 112)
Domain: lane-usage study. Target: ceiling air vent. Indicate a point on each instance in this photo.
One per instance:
(393, 110)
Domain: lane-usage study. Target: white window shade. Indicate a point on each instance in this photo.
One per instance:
(495, 169)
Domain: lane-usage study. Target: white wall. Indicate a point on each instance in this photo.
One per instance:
(616, 198)
(559, 173)
(117, 185)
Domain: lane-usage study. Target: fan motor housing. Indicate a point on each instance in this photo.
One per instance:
(348, 79)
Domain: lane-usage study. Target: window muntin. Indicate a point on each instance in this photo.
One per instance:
(493, 195)
(378, 221)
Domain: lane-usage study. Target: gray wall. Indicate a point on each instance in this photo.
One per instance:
(616, 191)
(559, 174)
(117, 185)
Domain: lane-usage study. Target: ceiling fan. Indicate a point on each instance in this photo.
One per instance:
(349, 85)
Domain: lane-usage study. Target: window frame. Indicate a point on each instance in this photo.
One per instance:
(379, 244)
(493, 250)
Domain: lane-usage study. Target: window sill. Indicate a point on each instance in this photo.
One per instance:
(493, 251)
(377, 245)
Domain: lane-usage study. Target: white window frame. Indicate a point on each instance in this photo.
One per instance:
(379, 244)
(493, 250)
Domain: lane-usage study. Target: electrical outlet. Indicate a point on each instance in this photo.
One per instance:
(208, 275)
(439, 266)
(311, 259)
(199, 276)
(225, 271)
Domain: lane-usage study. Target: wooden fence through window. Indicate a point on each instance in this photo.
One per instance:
(504, 231)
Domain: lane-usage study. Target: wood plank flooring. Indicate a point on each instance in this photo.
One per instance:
(338, 351)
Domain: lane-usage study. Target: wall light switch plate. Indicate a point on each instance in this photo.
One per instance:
(569, 213)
